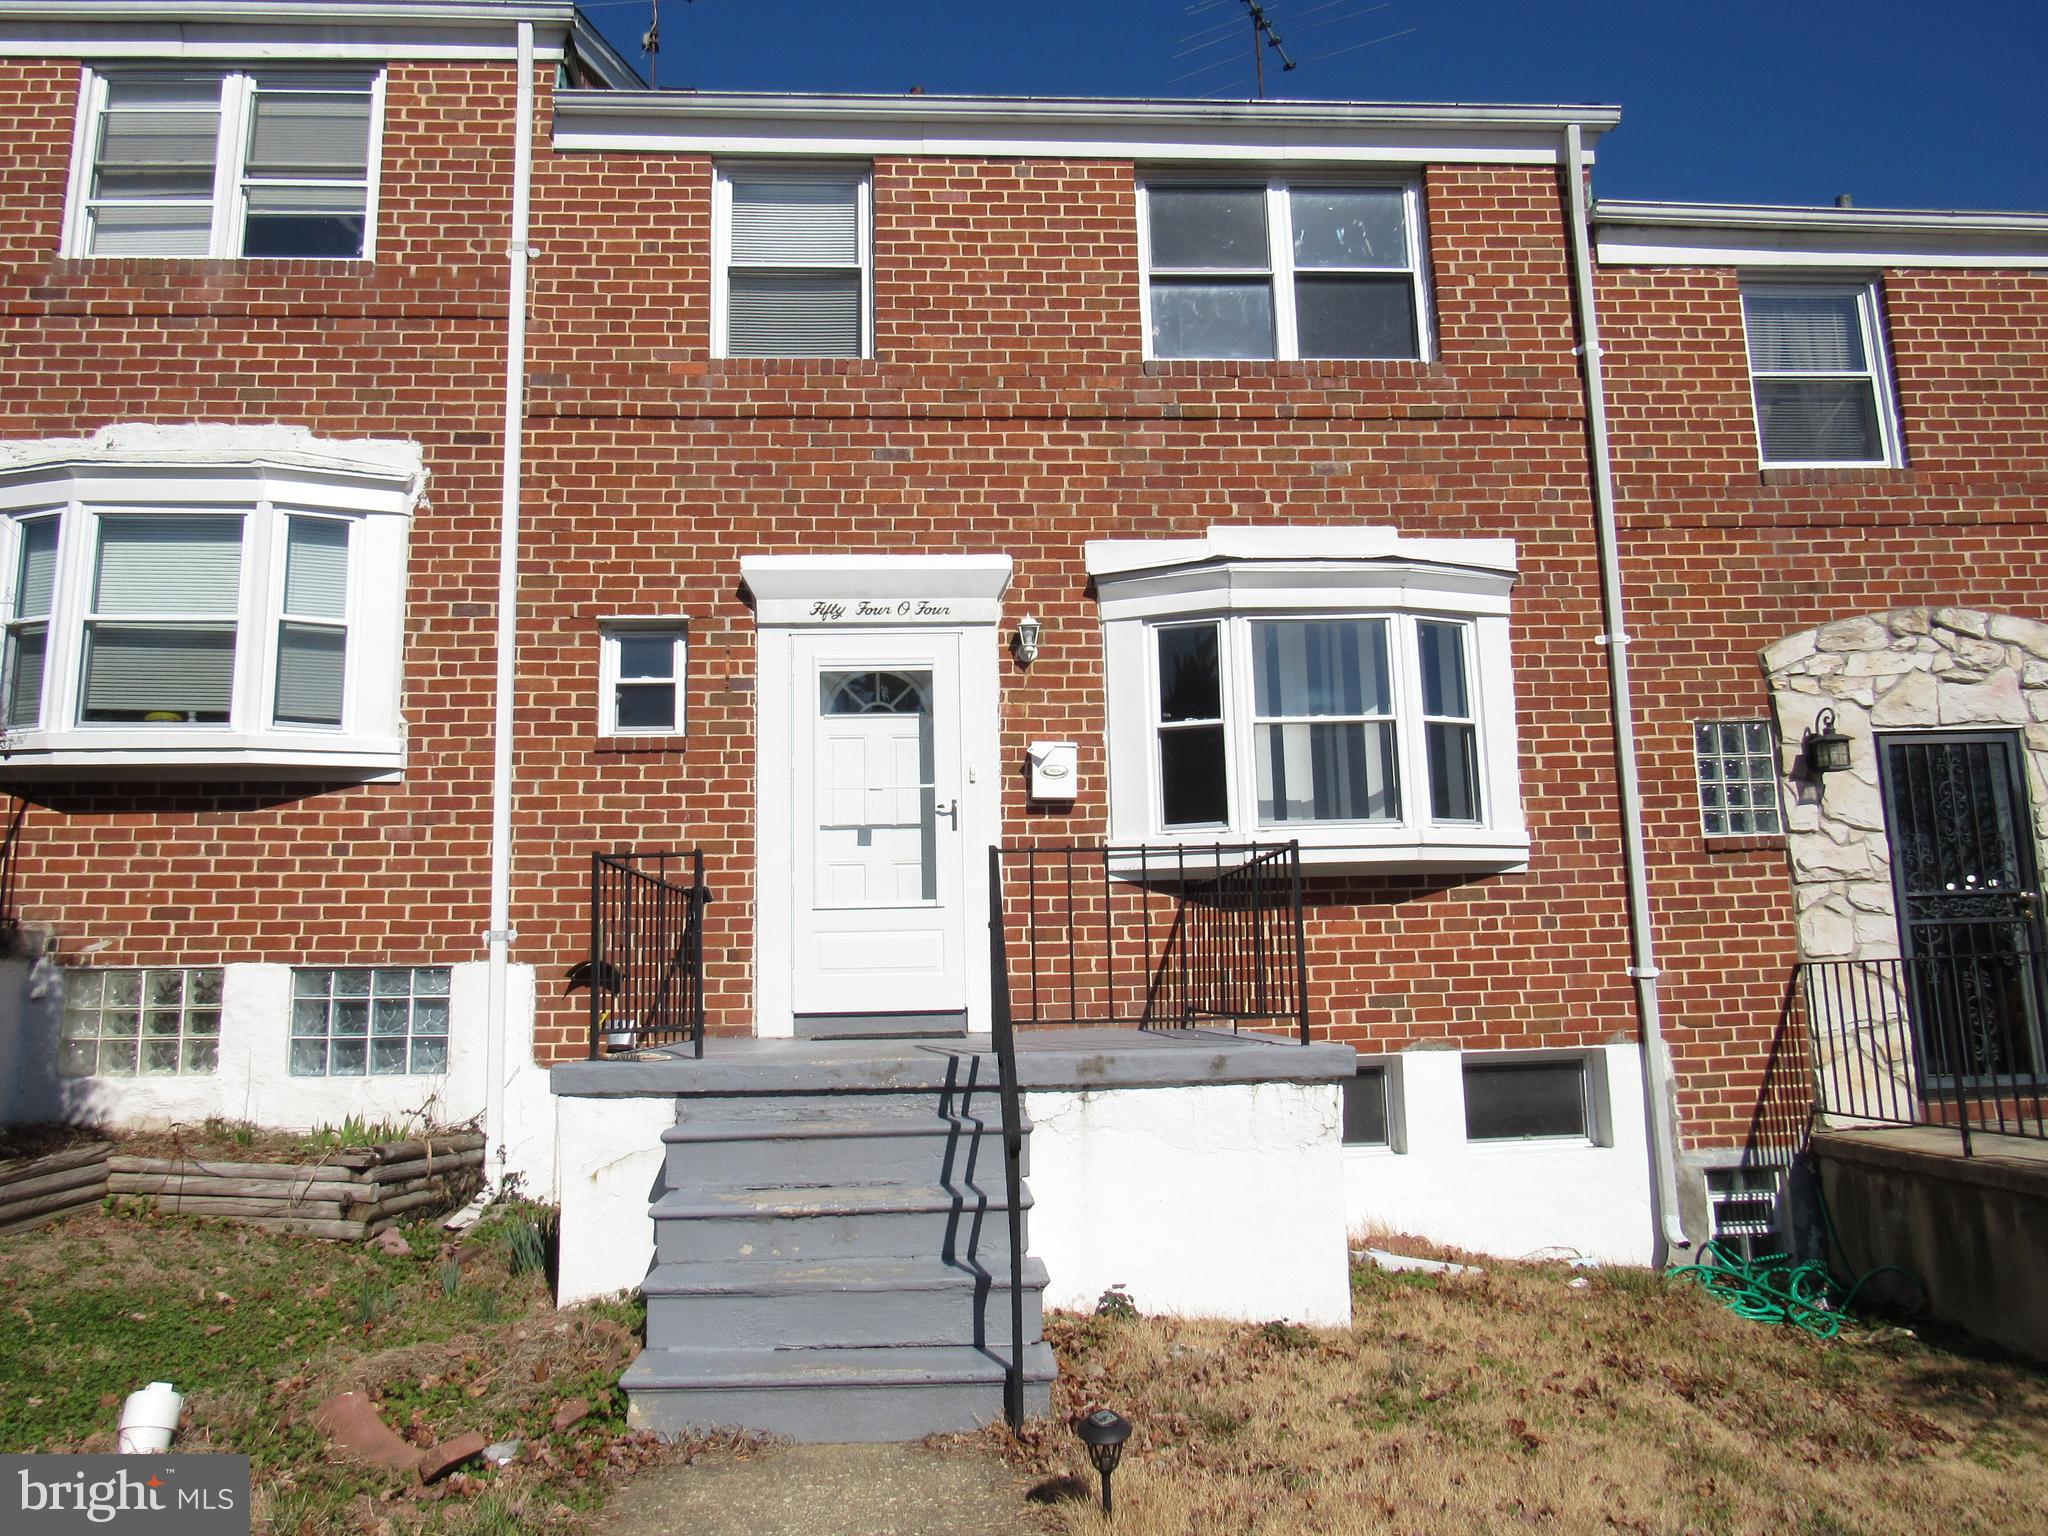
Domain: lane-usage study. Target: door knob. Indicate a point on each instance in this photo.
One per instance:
(951, 811)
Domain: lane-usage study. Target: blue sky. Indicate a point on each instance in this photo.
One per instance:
(1898, 104)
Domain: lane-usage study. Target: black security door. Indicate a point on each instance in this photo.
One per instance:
(1969, 904)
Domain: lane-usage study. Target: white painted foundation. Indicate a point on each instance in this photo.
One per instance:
(253, 1081)
(1510, 1198)
(1223, 1201)
(609, 1153)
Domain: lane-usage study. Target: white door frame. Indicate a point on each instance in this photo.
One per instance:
(868, 596)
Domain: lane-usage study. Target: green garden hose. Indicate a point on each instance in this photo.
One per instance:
(1772, 1289)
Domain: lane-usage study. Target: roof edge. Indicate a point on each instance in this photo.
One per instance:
(1779, 217)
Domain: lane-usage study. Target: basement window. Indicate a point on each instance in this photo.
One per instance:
(381, 1022)
(159, 1022)
(1526, 1100)
(1365, 1108)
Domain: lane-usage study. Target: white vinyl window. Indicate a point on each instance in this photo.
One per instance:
(641, 680)
(1343, 688)
(256, 162)
(1818, 374)
(792, 275)
(180, 612)
(1273, 269)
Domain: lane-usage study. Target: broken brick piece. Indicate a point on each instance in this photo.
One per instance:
(350, 1421)
(444, 1458)
(570, 1414)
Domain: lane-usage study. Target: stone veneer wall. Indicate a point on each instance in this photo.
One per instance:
(1909, 669)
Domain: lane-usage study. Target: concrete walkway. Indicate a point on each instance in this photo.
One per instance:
(827, 1490)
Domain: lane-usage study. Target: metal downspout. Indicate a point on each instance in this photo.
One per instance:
(497, 1005)
(1659, 1090)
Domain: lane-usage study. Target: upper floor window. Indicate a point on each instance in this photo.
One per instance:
(1337, 687)
(1817, 369)
(258, 162)
(163, 612)
(1272, 269)
(791, 269)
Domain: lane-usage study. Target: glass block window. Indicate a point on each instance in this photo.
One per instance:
(358, 1022)
(161, 1022)
(1738, 771)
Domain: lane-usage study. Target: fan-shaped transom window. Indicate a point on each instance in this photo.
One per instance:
(869, 693)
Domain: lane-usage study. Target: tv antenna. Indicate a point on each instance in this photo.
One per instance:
(1265, 17)
(1264, 37)
(650, 44)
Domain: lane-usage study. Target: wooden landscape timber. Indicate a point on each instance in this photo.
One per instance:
(35, 1190)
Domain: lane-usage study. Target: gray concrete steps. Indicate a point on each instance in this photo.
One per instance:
(834, 1221)
(832, 1394)
(762, 1146)
(851, 1302)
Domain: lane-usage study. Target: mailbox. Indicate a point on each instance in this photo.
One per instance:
(1055, 770)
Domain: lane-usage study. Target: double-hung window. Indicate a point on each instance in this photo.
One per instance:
(791, 259)
(256, 162)
(1272, 269)
(641, 680)
(1818, 373)
(187, 611)
(1336, 687)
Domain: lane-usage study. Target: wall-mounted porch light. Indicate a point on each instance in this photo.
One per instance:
(1104, 1432)
(1827, 749)
(1024, 645)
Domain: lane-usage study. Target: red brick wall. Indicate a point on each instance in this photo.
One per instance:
(1008, 408)
(410, 346)
(1723, 558)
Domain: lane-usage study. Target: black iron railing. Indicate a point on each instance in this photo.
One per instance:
(1003, 1040)
(646, 968)
(1159, 938)
(1953, 1041)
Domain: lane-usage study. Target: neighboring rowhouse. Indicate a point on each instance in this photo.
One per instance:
(896, 477)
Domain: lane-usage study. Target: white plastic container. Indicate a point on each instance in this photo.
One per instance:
(148, 1420)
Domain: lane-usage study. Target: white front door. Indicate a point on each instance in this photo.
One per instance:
(879, 901)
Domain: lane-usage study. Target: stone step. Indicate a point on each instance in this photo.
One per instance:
(836, 1221)
(831, 1394)
(877, 1302)
(767, 1148)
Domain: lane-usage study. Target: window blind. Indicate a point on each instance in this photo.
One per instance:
(310, 134)
(27, 653)
(786, 315)
(1804, 333)
(310, 668)
(141, 672)
(169, 564)
(778, 223)
(316, 568)
(38, 574)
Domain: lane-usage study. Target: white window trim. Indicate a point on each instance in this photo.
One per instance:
(230, 199)
(1237, 575)
(862, 179)
(279, 472)
(1876, 352)
(1280, 256)
(609, 632)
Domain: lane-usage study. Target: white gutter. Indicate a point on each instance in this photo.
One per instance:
(497, 1009)
(1659, 1091)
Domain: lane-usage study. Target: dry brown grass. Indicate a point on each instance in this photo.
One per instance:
(1514, 1400)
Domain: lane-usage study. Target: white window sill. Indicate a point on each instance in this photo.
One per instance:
(1399, 851)
(1522, 1146)
(215, 754)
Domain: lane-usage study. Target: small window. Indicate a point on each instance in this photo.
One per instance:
(28, 631)
(247, 163)
(1817, 366)
(377, 1023)
(792, 268)
(1365, 1108)
(1522, 1100)
(1194, 786)
(642, 689)
(1738, 775)
(1266, 269)
(161, 1022)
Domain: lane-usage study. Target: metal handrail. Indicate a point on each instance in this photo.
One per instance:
(646, 967)
(1173, 937)
(1954, 1042)
(1003, 1039)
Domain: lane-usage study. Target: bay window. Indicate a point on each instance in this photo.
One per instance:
(165, 614)
(1343, 688)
